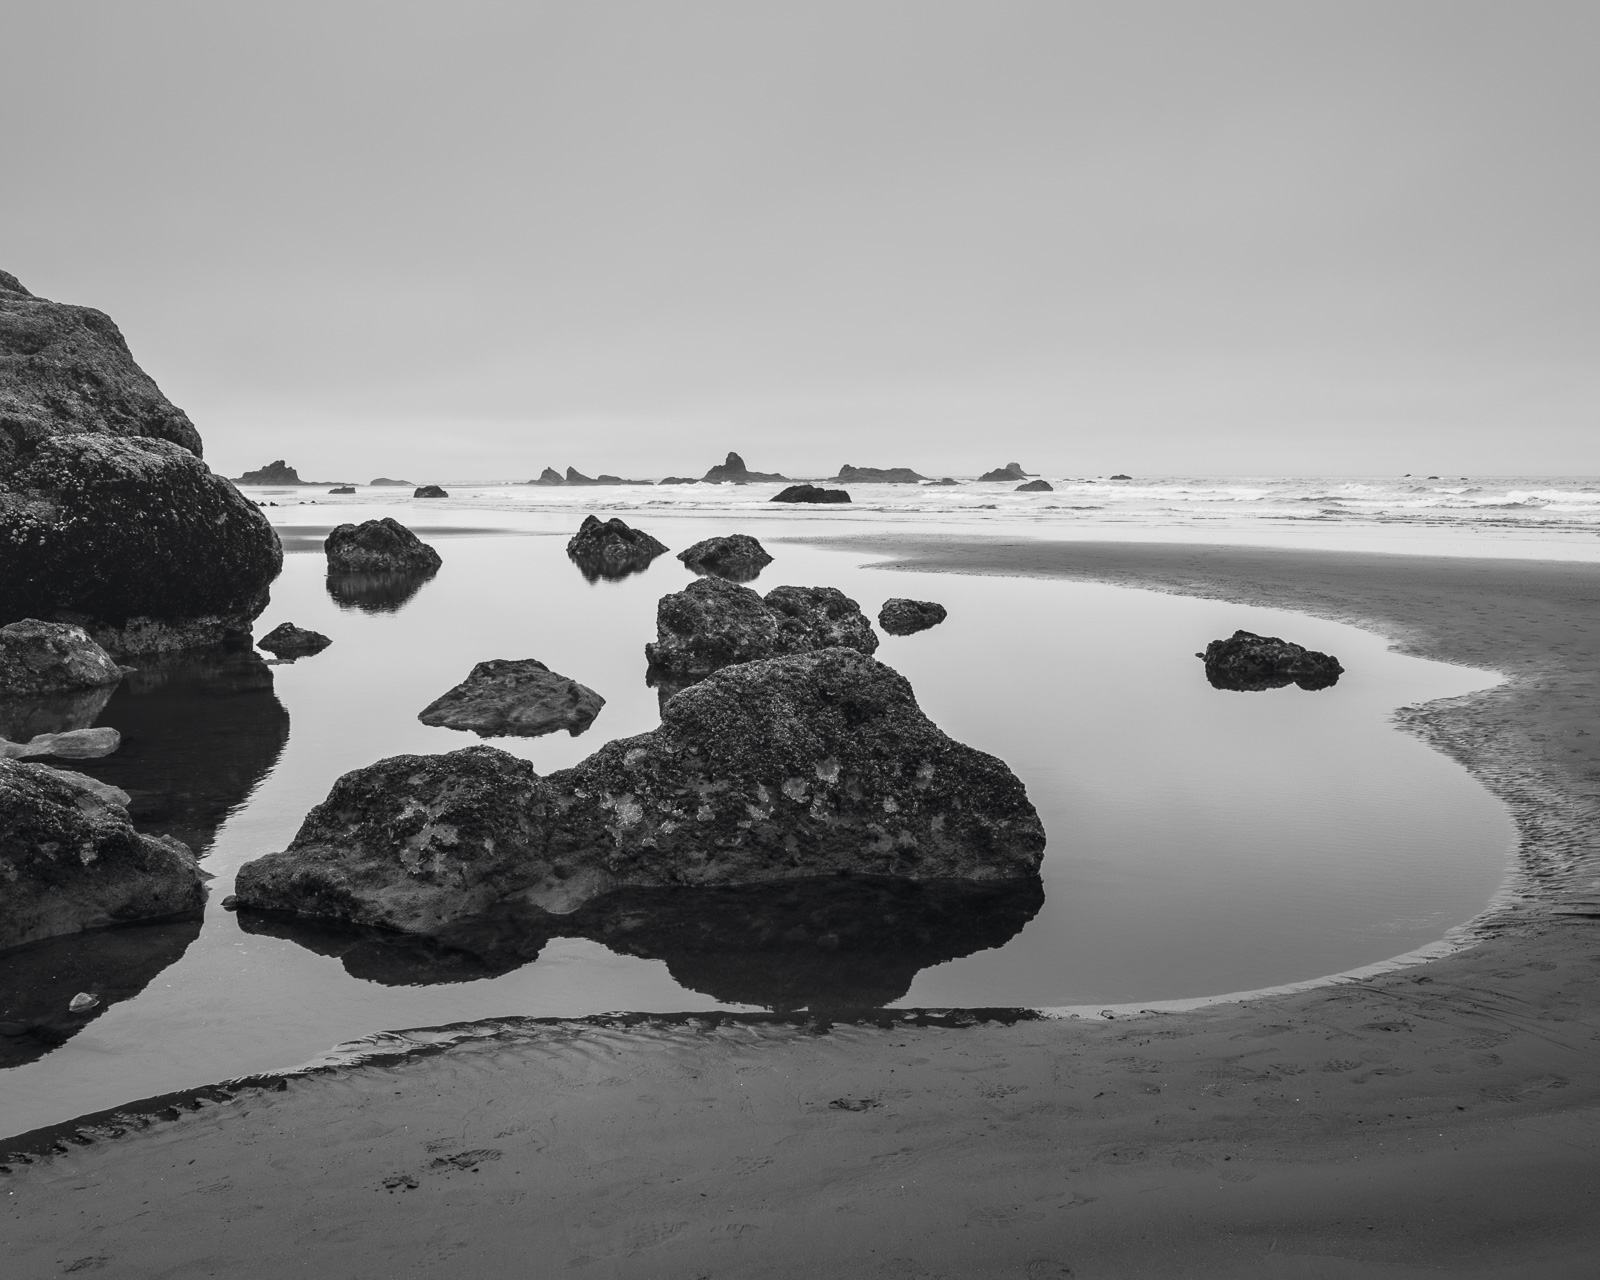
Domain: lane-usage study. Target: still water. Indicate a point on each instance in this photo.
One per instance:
(1200, 841)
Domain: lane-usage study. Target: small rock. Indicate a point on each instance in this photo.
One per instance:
(1036, 486)
(286, 638)
(1121, 477)
(430, 491)
(737, 557)
(506, 697)
(809, 493)
(231, 902)
(379, 546)
(902, 617)
(82, 1002)
(1247, 662)
(343, 488)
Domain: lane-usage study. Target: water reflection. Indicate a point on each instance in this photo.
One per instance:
(611, 568)
(25, 718)
(37, 982)
(198, 733)
(375, 592)
(1255, 683)
(837, 943)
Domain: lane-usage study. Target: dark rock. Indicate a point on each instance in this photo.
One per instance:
(737, 557)
(611, 549)
(877, 475)
(375, 592)
(942, 480)
(1247, 662)
(548, 476)
(72, 861)
(1036, 486)
(521, 698)
(902, 617)
(809, 493)
(73, 744)
(379, 546)
(38, 658)
(574, 476)
(278, 472)
(733, 471)
(343, 488)
(430, 491)
(385, 482)
(713, 623)
(1122, 477)
(286, 639)
(677, 480)
(1011, 471)
(814, 765)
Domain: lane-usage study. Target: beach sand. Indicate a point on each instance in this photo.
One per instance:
(1441, 1119)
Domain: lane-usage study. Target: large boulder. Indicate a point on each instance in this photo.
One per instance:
(611, 549)
(379, 546)
(809, 493)
(109, 518)
(515, 697)
(737, 557)
(1247, 662)
(713, 623)
(815, 765)
(733, 471)
(51, 657)
(902, 617)
(70, 860)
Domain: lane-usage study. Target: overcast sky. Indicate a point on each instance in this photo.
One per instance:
(457, 240)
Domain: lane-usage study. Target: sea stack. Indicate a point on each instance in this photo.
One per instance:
(733, 471)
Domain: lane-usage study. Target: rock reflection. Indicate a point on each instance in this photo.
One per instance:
(837, 943)
(198, 733)
(375, 592)
(25, 718)
(37, 982)
(1238, 683)
(596, 568)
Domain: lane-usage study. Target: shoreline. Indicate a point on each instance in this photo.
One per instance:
(1473, 1070)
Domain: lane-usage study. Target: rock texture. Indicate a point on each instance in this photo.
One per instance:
(737, 557)
(818, 764)
(108, 517)
(515, 697)
(877, 475)
(430, 491)
(51, 657)
(1036, 486)
(809, 493)
(1011, 471)
(1249, 663)
(611, 549)
(733, 471)
(713, 623)
(379, 546)
(288, 640)
(71, 860)
(72, 744)
(902, 617)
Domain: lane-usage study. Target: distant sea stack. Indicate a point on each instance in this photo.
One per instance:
(550, 476)
(877, 475)
(1011, 471)
(278, 472)
(109, 517)
(733, 471)
(809, 493)
(383, 482)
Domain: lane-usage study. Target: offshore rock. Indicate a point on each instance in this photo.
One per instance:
(430, 491)
(611, 549)
(548, 476)
(72, 861)
(815, 765)
(809, 493)
(1250, 663)
(511, 697)
(385, 482)
(343, 488)
(677, 480)
(737, 557)
(1011, 471)
(713, 623)
(877, 475)
(1036, 486)
(51, 657)
(278, 472)
(902, 617)
(379, 546)
(733, 471)
(286, 639)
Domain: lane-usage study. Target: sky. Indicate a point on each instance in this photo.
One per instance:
(471, 240)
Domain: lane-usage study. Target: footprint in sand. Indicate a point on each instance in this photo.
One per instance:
(1341, 1064)
(464, 1159)
(399, 1182)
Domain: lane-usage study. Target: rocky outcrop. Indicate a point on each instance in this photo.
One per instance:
(109, 518)
(941, 482)
(815, 765)
(1120, 477)
(1247, 662)
(677, 480)
(1036, 486)
(72, 744)
(611, 549)
(1011, 471)
(733, 471)
(508, 697)
(71, 860)
(737, 557)
(902, 617)
(548, 476)
(877, 475)
(51, 657)
(278, 472)
(713, 623)
(430, 491)
(343, 488)
(809, 493)
(379, 546)
(384, 482)
(289, 641)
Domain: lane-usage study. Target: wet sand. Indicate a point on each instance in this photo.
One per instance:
(1440, 1119)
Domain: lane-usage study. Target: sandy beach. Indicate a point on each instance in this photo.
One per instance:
(1437, 1119)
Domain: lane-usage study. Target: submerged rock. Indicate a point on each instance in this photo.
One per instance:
(809, 493)
(1036, 486)
(877, 475)
(902, 617)
(737, 557)
(72, 861)
(286, 639)
(733, 471)
(1011, 471)
(611, 549)
(713, 623)
(430, 491)
(379, 546)
(521, 698)
(51, 657)
(72, 744)
(1247, 662)
(818, 764)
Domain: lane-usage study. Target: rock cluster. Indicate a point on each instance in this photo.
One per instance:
(814, 765)
(713, 623)
(71, 860)
(51, 657)
(1249, 663)
(877, 475)
(611, 549)
(1011, 471)
(379, 546)
(550, 476)
(737, 557)
(289, 641)
(733, 471)
(512, 697)
(809, 493)
(902, 617)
